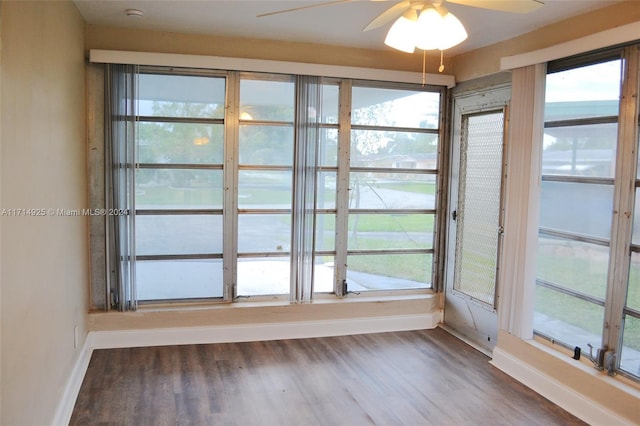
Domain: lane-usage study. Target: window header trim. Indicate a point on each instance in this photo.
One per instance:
(259, 65)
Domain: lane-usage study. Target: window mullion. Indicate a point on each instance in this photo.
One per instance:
(624, 193)
(342, 187)
(230, 213)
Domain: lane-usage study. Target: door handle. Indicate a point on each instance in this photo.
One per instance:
(454, 215)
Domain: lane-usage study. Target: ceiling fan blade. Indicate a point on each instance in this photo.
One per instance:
(308, 6)
(388, 15)
(514, 6)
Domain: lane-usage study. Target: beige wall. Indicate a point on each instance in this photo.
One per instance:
(113, 38)
(44, 273)
(486, 61)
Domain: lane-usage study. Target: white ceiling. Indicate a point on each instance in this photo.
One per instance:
(337, 24)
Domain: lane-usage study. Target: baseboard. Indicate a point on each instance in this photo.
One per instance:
(64, 410)
(577, 404)
(226, 334)
(259, 332)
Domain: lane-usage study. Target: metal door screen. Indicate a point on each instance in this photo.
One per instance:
(478, 215)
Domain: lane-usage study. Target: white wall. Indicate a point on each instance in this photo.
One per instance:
(44, 263)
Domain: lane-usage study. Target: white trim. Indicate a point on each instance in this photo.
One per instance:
(224, 334)
(64, 410)
(260, 331)
(577, 404)
(523, 152)
(259, 65)
(611, 37)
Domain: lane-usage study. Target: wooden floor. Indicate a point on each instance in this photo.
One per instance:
(404, 378)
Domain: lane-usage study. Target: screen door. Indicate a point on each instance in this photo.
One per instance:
(475, 219)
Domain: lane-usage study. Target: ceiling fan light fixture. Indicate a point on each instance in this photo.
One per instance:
(439, 29)
(429, 29)
(402, 34)
(453, 32)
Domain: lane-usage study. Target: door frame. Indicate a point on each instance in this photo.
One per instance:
(481, 331)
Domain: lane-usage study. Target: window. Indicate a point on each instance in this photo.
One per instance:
(265, 181)
(392, 188)
(179, 187)
(246, 184)
(586, 291)
(324, 271)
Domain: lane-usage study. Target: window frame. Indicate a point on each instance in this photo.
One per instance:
(624, 184)
(437, 172)
(230, 169)
(153, 70)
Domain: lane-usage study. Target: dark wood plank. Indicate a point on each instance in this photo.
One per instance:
(405, 378)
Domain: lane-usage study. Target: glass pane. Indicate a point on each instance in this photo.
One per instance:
(264, 189)
(178, 234)
(568, 319)
(326, 196)
(264, 233)
(390, 231)
(575, 265)
(178, 189)
(266, 145)
(328, 148)
(391, 107)
(633, 291)
(181, 96)
(396, 150)
(326, 232)
(388, 271)
(577, 207)
(392, 191)
(635, 239)
(178, 279)
(323, 274)
(266, 100)
(183, 143)
(330, 102)
(580, 150)
(630, 354)
(591, 91)
(262, 276)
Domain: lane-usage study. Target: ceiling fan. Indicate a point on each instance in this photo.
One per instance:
(426, 24)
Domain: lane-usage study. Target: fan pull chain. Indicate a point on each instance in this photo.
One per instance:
(424, 67)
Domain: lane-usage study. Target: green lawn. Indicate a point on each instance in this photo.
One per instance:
(416, 187)
(586, 274)
(165, 195)
(414, 267)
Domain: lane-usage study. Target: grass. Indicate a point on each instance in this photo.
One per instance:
(414, 267)
(165, 195)
(251, 192)
(391, 223)
(415, 187)
(585, 272)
